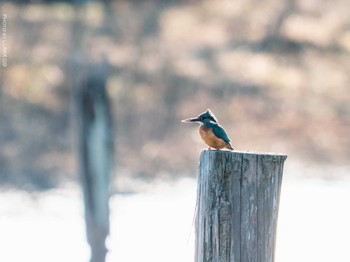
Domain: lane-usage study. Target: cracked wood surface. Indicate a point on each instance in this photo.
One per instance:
(237, 206)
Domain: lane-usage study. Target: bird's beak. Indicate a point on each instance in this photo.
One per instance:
(190, 120)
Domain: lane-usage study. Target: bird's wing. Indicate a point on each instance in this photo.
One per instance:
(220, 132)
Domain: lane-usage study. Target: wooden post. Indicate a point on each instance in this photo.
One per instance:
(95, 151)
(237, 206)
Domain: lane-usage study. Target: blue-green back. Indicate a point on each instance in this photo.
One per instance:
(217, 130)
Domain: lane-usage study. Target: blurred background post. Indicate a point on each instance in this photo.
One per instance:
(95, 133)
(95, 150)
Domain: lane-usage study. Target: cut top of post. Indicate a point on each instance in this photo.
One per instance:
(282, 156)
(225, 155)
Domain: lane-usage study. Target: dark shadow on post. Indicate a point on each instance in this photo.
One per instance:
(237, 206)
(95, 150)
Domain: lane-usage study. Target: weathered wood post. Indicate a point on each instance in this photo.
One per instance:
(237, 206)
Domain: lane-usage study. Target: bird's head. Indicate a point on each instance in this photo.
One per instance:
(205, 118)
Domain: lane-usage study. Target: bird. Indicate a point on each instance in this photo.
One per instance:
(210, 131)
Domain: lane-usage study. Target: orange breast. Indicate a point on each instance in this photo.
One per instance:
(210, 139)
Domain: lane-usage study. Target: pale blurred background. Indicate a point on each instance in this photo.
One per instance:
(275, 73)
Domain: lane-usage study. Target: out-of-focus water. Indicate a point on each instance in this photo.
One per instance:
(157, 226)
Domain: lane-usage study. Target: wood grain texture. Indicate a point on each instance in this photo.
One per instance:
(237, 206)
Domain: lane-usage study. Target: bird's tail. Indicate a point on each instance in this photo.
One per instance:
(229, 146)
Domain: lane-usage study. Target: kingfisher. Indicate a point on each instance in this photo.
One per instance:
(211, 132)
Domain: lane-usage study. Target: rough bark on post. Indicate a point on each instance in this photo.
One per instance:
(237, 206)
(95, 151)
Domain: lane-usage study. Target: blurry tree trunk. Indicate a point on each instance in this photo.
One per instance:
(95, 151)
(237, 206)
(94, 124)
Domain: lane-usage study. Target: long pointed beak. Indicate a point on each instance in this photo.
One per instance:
(190, 120)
